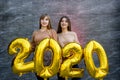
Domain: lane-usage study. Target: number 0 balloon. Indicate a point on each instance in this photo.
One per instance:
(53, 68)
(100, 72)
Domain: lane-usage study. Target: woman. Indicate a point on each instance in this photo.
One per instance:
(45, 31)
(65, 36)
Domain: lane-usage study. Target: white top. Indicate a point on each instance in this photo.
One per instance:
(67, 37)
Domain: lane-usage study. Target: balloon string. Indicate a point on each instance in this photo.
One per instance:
(20, 74)
(45, 78)
(66, 78)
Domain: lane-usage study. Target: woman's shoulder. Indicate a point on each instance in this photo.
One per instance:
(35, 31)
(53, 30)
(72, 32)
(59, 34)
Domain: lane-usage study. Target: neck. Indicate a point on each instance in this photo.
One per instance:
(44, 28)
(64, 30)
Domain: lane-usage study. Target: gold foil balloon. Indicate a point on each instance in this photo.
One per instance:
(53, 68)
(96, 72)
(66, 69)
(21, 47)
(72, 54)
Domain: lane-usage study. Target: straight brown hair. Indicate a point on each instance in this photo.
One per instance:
(42, 17)
(59, 30)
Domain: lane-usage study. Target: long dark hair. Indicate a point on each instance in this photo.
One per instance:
(59, 30)
(42, 17)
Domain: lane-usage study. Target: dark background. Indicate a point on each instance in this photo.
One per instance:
(90, 19)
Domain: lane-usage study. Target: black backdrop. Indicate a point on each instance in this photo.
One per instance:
(90, 19)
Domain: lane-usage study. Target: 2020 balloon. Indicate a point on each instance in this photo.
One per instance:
(65, 69)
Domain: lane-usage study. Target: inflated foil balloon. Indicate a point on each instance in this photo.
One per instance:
(22, 48)
(53, 68)
(96, 72)
(72, 54)
(66, 69)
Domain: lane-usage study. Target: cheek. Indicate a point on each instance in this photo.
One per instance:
(41, 21)
(66, 24)
(47, 22)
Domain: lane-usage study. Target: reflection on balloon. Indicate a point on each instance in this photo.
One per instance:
(102, 71)
(22, 47)
(66, 69)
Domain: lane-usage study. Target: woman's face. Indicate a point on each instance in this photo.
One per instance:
(45, 21)
(64, 23)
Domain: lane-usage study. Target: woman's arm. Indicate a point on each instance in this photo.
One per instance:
(32, 42)
(76, 38)
(54, 34)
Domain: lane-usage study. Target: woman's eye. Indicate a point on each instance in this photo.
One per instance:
(62, 21)
(46, 19)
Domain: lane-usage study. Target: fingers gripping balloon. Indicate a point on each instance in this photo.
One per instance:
(19, 66)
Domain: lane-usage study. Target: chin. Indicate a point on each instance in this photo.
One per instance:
(64, 27)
